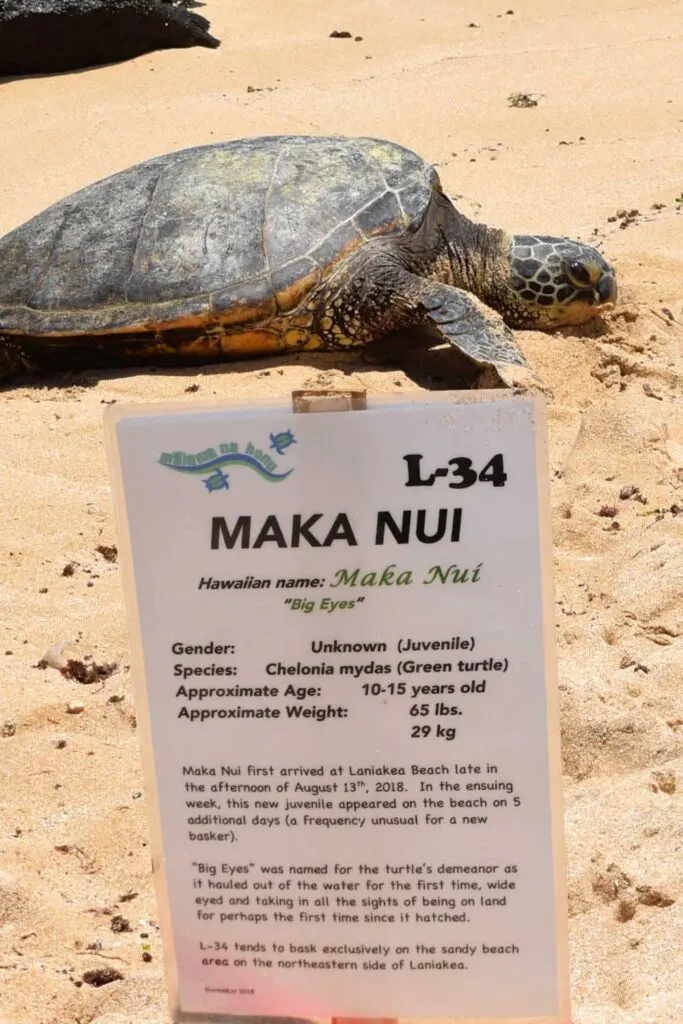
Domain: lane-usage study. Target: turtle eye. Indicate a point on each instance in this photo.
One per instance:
(579, 275)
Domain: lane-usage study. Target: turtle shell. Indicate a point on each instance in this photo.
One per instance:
(232, 233)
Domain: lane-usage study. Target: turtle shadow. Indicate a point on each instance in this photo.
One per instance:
(420, 355)
(424, 357)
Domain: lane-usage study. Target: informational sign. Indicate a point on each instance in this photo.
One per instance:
(342, 633)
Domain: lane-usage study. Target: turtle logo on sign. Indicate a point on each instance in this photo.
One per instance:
(210, 463)
(218, 481)
(281, 442)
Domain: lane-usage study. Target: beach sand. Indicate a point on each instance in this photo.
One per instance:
(606, 135)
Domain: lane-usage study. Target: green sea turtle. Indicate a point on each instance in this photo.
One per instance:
(275, 244)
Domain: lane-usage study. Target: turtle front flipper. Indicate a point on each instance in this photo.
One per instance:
(379, 296)
(475, 331)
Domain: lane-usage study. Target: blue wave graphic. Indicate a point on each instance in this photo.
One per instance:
(232, 459)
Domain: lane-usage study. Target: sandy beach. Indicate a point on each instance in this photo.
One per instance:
(598, 157)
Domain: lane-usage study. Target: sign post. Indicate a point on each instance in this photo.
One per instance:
(342, 640)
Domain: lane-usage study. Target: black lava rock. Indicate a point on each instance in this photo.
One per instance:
(48, 36)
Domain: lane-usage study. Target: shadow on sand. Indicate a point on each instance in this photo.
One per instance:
(431, 365)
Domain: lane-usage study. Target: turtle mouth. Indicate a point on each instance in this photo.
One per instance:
(601, 297)
(605, 292)
(584, 305)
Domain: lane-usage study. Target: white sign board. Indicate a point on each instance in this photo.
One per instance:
(342, 632)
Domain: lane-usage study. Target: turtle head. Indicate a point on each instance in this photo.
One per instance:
(556, 282)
